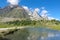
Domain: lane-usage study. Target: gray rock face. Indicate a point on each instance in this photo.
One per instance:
(14, 12)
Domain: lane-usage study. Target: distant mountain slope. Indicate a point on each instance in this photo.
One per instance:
(13, 12)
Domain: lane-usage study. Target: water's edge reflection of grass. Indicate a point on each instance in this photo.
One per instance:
(15, 35)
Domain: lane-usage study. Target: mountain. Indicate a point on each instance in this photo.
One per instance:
(36, 16)
(14, 12)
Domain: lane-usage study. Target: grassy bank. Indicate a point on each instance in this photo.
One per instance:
(52, 24)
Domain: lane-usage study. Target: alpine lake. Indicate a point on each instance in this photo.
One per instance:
(32, 34)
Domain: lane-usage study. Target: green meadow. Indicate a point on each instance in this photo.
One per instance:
(51, 24)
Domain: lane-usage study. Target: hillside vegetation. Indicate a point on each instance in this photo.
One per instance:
(53, 24)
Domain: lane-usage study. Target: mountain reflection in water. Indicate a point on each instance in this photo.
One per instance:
(34, 34)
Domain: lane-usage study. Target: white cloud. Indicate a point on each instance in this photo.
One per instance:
(13, 2)
(37, 10)
(51, 18)
(44, 11)
(27, 10)
(25, 7)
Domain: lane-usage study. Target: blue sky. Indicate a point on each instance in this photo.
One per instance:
(52, 6)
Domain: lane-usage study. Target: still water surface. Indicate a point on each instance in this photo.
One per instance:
(35, 34)
(43, 34)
